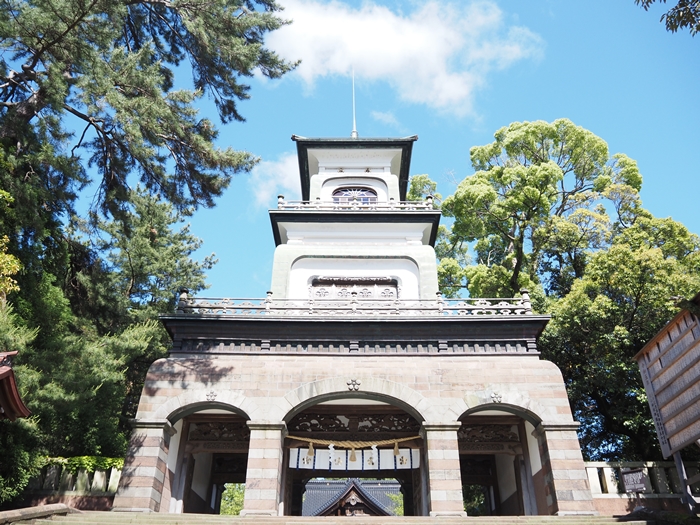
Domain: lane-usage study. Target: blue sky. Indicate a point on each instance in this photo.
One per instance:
(454, 73)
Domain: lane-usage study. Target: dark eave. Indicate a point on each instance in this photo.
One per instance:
(431, 217)
(397, 329)
(304, 144)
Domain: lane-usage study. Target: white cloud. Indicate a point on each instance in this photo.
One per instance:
(386, 117)
(437, 55)
(271, 178)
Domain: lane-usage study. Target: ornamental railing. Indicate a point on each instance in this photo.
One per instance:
(354, 306)
(356, 205)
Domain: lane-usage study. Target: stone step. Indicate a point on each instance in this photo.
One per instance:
(332, 520)
(524, 520)
(99, 518)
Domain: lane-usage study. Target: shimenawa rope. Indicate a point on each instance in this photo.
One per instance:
(352, 445)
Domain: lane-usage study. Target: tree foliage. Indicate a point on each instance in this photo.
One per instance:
(232, 499)
(19, 440)
(94, 330)
(684, 15)
(550, 209)
(397, 503)
(532, 205)
(101, 96)
(110, 66)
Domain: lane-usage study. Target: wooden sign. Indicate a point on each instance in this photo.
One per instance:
(634, 480)
(670, 367)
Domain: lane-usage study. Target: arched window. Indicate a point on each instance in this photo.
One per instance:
(355, 194)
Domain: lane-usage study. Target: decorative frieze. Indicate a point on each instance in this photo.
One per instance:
(354, 424)
(228, 346)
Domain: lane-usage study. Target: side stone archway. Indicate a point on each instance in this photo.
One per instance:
(525, 455)
(182, 431)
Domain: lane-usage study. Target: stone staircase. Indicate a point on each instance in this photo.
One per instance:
(117, 518)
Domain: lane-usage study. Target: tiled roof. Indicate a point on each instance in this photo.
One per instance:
(322, 492)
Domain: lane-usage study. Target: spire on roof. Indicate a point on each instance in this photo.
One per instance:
(354, 124)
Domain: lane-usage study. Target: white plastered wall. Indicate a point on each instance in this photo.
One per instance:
(173, 452)
(355, 234)
(201, 474)
(379, 260)
(533, 448)
(174, 446)
(505, 472)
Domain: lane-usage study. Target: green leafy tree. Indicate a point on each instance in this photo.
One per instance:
(397, 503)
(475, 503)
(530, 208)
(232, 499)
(111, 66)
(620, 303)
(148, 259)
(19, 440)
(684, 15)
(9, 266)
(550, 209)
(89, 290)
(451, 251)
(96, 330)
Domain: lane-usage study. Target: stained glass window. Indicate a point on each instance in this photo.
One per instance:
(361, 195)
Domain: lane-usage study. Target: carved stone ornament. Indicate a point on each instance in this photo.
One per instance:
(219, 431)
(354, 384)
(482, 446)
(375, 423)
(318, 423)
(496, 397)
(487, 434)
(322, 279)
(211, 395)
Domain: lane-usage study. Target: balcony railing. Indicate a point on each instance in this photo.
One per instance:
(356, 205)
(354, 306)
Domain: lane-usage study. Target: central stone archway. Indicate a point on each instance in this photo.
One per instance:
(354, 435)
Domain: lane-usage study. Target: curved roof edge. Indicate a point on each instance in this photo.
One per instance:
(11, 404)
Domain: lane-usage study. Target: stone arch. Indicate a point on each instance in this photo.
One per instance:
(374, 388)
(199, 399)
(512, 402)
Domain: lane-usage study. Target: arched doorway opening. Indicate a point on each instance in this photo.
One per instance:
(500, 464)
(355, 438)
(208, 450)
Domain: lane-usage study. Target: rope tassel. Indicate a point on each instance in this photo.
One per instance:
(310, 453)
(396, 448)
(353, 457)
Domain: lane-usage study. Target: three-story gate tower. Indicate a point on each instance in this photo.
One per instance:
(354, 366)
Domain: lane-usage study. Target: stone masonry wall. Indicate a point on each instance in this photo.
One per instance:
(437, 389)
